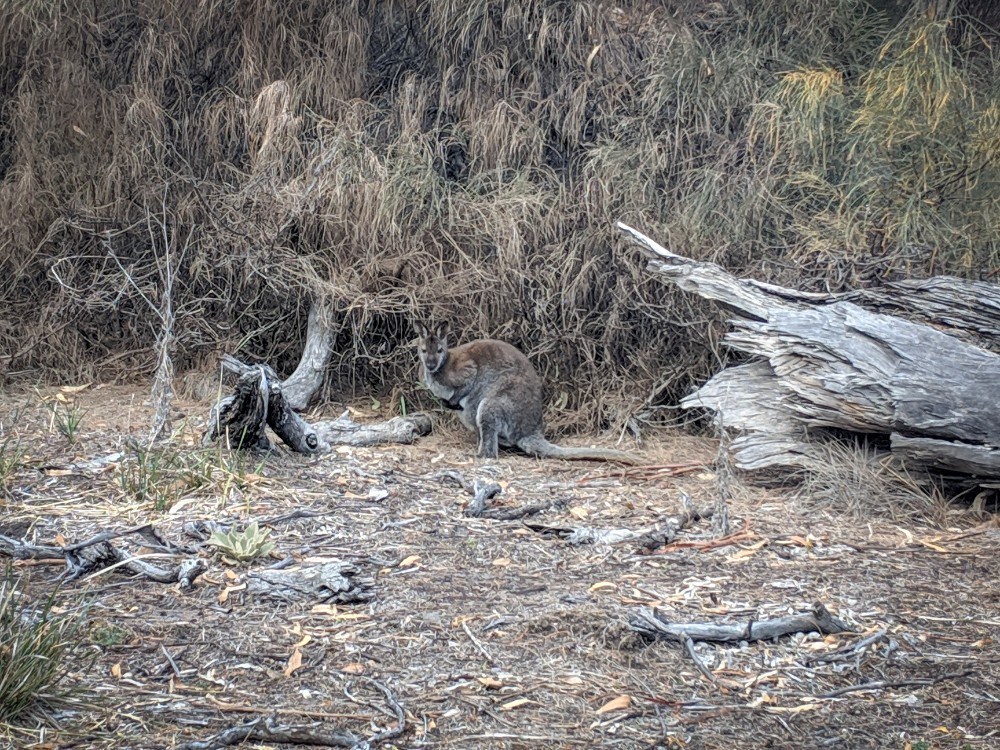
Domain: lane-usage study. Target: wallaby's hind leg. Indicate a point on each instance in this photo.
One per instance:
(488, 430)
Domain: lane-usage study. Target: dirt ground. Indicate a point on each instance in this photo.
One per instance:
(488, 633)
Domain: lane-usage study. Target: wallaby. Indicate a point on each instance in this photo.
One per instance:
(498, 395)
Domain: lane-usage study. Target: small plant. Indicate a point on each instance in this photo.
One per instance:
(245, 545)
(66, 417)
(34, 641)
(104, 634)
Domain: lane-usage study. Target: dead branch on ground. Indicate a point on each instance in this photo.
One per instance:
(97, 553)
(258, 401)
(333, 582)
(648, 539)
(651, 623)
(269, 730)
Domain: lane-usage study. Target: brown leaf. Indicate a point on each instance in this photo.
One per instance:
(294, 662)
(353, 668)
(489, 682)
(116, 671)
(617, 704)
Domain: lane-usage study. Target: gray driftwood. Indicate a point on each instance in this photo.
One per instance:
(838, 361)
(98, 553)
(345, 431)
(651, 623)
(334, 582)
(258, 401)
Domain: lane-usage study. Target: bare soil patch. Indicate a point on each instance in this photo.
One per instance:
(491, 635)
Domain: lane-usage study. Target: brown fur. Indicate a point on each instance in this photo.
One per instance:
(498, 393)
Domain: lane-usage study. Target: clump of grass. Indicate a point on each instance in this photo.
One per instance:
(862, 480)
(11, 459)
(35, 643)
(106, 634)
(66, 417)
(161, 475)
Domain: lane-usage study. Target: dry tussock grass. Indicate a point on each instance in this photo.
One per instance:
(468, 160)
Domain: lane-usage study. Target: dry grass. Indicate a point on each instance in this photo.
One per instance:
(493, 636)
(468, 160)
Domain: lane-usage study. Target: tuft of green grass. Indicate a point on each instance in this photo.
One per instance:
(67, 418)
(105, 634)
(35, 642)
(161, 476)
(11, 459)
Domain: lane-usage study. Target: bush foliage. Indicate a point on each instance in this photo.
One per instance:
(469, 159)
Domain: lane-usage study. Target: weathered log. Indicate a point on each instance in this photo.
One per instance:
(258, 400)
(651, 623)
(345, 431)
(649, 538)
(334, 582)
(827, 362)
(98, 553)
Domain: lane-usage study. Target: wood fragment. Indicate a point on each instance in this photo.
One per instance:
(267, 729)
(333, 582)
(650, 623)
(647, 539)
(98, 554)
(483, 491)
(345, 431)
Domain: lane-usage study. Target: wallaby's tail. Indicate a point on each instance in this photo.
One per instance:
(536, 445)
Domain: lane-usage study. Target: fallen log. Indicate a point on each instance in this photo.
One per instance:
(651, 623)
(97, 553)
(839, 361)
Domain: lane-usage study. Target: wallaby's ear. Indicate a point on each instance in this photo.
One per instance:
(441, 330)
(421, 329)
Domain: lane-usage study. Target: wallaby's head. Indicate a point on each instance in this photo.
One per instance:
(433, 346)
